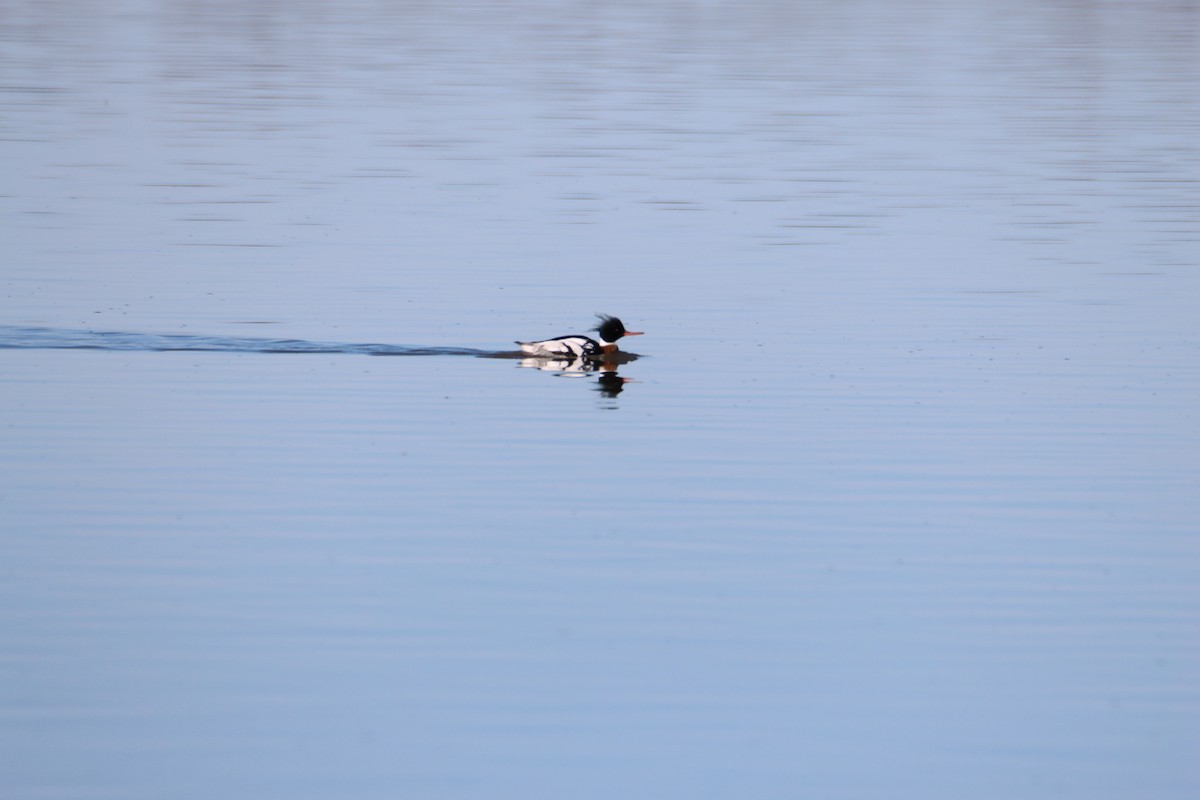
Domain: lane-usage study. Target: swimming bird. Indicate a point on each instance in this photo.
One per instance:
(609, 331)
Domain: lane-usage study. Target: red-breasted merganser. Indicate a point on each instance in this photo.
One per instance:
(609, 330)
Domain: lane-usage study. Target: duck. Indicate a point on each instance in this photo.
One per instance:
(608, 332)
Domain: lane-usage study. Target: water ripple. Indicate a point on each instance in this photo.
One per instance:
(30, 338)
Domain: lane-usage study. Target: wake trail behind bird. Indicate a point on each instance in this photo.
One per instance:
(35, 338)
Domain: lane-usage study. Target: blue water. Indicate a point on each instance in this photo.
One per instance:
(900, 497)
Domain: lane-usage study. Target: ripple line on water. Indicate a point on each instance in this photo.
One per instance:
(35, 338)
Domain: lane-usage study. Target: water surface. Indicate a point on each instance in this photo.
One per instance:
(899, 499)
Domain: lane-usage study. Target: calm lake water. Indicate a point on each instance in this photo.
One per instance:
(900, 500)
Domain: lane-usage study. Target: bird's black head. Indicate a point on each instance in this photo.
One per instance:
(611, 328)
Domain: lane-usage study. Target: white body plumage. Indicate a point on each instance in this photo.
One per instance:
(563, 347)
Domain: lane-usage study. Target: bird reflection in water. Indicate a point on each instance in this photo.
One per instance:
(608, 383)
